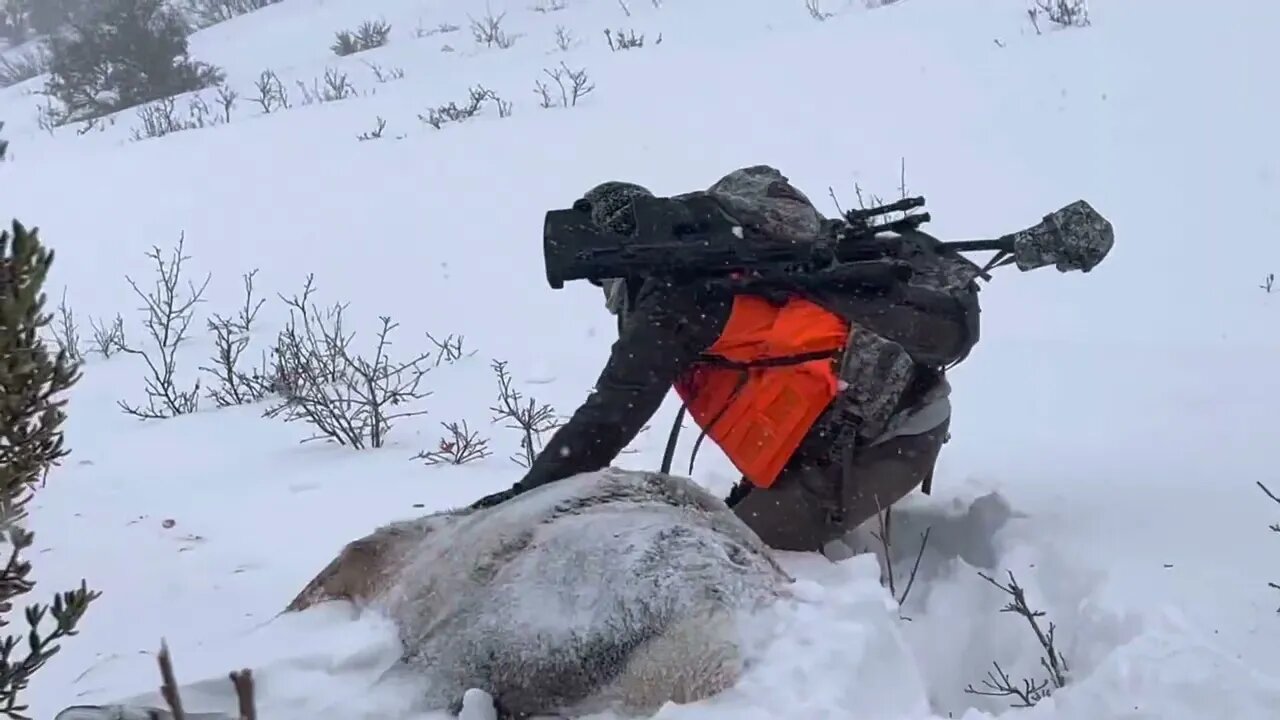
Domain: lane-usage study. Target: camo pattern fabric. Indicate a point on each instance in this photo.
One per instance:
(609, 205)
(763, 198)
(874, 375)
(1076, 237)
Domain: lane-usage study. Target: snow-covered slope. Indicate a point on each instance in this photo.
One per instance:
(1109, 429)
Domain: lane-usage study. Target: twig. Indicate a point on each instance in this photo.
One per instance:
(243, 682)
(169, 686)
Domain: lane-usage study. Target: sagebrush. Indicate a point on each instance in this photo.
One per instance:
(33, 384)
(371, 34)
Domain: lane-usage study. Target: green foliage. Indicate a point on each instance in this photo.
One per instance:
(32, 382)
(134, 52)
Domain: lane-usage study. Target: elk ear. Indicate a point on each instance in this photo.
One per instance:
(356, 575)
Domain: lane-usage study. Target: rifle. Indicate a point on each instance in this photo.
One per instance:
(693, 237)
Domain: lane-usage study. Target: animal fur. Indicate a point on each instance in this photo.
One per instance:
(615, 590)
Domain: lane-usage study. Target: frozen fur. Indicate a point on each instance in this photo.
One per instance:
(615, 590)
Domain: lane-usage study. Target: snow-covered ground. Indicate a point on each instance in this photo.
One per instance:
(1109, 429)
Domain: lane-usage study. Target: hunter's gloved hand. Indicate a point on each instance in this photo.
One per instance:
(499, 497)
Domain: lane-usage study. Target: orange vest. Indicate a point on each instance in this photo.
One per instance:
(759, 415)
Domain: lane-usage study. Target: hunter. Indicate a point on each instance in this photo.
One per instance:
(832, 401)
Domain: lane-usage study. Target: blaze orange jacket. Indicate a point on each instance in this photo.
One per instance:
(765, 381)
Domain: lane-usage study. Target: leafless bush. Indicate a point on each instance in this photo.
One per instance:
(626, 9)
(449, 350)
(368, 36)
(460, 446)
(241, 681)
(24, 66)
(488, 31)
(335, 86)
(167, 317)
(384, 75)
(438, 116)
(108, 339)
(532, 419)
(1028, 692)
(1275, 527)
(445, 27)
(1268, 283)
(162, 117)
(66, 334)
(573, 85)
(227, 100)
(885, 537)
(547, 6)
(205, 13)
(346, 397)
(816, 12)
(374, 134)
(620, 40)
(272, 94)
(235, 386)
(1064, 13)
(564, 38)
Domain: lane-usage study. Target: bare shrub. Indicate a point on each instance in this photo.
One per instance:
(1063, 13)
(384, 75)
(66, 333)
(374, 134)
(333, 87)
(460, 446)
(885, 537)
(564, 38)
(368, 36)
(346, 397)
(34, 382)
(626, 40)
(548, 6)
(205, 13)
(108, 339)
(488, 31)
(449, 350)
(442, 28)
(21, 67)
(234, 385)
(4, 144)
(272, 94)
(526, 415)
(162, 117)
(573, 85)
(1026, 692)
(437, 117)
(1275, 527)
(1268, 282)
(167, 313)
(816, 12)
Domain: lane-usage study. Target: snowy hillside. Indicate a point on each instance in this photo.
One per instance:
(1109, 429)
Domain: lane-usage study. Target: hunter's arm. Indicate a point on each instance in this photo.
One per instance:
(660, 338)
